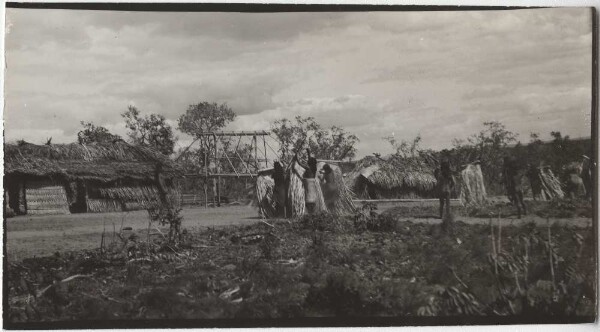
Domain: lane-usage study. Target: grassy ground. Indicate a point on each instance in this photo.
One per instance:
(537, 210)
(365, 265)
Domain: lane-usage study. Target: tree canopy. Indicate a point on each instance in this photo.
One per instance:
(205, 117)
(325, 143)
(92, 133)
(150, 130)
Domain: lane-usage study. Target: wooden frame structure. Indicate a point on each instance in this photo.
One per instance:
(219, 156)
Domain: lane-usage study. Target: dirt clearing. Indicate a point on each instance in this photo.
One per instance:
(29, 236)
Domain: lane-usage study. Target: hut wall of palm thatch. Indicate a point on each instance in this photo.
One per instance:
(46, 197)
(97, 177)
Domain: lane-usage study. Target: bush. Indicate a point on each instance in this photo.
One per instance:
(323, 222)
(342, 293)
(366, 218)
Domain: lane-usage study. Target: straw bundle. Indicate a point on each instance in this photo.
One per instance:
(472, 188)
(264, 195)
(340, 202)
(550, 185)
(295, 194)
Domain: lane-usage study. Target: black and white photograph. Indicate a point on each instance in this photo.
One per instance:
(256, 165)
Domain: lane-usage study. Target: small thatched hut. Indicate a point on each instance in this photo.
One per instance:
(391, 177)
(65, 178)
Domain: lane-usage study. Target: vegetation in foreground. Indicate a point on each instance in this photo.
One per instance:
(558, 208)
(365, 265)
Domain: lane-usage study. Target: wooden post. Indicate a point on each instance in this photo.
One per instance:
(23, 197)
(217, 181)
(265, 147)
(205, 179)
(255, 152)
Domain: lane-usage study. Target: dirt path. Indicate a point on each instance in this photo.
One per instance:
(29, 236)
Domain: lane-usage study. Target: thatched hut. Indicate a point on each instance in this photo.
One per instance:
(65, 178)
(392, 177)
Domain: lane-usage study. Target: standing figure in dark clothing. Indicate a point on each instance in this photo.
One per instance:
(445, 185)
(312, 163)
(535, 182)
(279, 190)
(513, 179)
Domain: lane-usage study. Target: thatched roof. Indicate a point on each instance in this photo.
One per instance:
(96, 161)
(393, 173)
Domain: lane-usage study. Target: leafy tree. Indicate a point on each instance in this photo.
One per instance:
(491, 144)
(293, 136)
(489, 147)
(334, 144)
(535, 150)
(205, 117)
(405, 149)
(563, 151)
(92, 133)
(151, 130)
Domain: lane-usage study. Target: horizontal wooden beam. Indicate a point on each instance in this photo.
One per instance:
(333, 161)
(223, 175)
(235, 133)
(400, 200)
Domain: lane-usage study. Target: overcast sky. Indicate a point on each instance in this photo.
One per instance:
(438, 74)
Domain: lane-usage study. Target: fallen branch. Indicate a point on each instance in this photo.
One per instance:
(73, 277)
(458, 279)
(159, 232)
(267, 223)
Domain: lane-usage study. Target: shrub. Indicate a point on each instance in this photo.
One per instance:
(366, 218)
(342, 293)
(323, 222)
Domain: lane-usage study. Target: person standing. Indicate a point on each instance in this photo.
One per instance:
(513, 179)
(279, 190)
(445, 185)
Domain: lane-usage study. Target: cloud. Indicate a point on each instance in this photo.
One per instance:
(438, 74)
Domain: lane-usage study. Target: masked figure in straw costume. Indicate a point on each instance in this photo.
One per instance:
(310, 181)
(331, 192)
(279, 190)
(445, 185)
